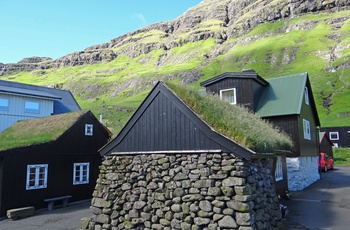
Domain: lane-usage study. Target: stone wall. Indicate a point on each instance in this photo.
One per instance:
(302, 172)
(194, 191)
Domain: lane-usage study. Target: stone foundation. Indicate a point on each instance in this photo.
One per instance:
(302, 172)
(194, 191)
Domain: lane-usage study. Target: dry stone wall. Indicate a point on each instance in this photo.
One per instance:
(194, 191)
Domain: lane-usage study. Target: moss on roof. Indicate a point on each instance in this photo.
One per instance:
(37, 131)
(235, 122)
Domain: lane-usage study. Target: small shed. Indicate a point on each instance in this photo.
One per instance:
(50, 157)
(326, 144)
(169, 168)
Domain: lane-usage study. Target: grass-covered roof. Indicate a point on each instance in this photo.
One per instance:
(235, 122)
(37, 131)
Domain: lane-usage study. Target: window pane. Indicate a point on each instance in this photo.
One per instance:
(228, 95)
(31, 107)
(88, 129)
(4, 104)
(36, 176)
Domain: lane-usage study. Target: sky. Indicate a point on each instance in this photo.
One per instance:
(54, 28)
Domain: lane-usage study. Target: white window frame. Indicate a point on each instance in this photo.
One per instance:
(307, 99)
(28, 107)
(334, 133)
(89, 129)
(40, 177)
(4, 104)
(279, 169)
(307, 130)
(78, 173)
(232, 101)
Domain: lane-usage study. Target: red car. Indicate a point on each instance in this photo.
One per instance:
(325, 162)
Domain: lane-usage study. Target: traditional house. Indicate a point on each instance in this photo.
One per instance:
(177, 165)
(288, 103)
(50, 157)
(339, 135)
(22, 101)
(326, 145)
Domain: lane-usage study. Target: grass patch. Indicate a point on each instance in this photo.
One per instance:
(234, 122)
(341, 156)
(37, 131)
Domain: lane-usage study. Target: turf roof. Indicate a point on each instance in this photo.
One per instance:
(234, 122)
(37, 131)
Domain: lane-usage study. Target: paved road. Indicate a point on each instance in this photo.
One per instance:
(323, 205)
(59, 219)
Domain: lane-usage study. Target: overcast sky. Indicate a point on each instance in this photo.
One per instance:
(54, 28)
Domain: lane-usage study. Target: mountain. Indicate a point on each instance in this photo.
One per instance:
(274, 38)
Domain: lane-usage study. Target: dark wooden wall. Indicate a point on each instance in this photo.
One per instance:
(344, 135)
(72, 147)
(247, 90)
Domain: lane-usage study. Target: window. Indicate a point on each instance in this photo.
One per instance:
(279, 169)
(306, 95)
(307, 131)
(89, 129)
(334, 135)
(228, 95)
(81, 173)
(31, 107)
(37, 176)
(4, 103)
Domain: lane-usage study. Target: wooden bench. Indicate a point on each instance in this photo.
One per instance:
(51, 201)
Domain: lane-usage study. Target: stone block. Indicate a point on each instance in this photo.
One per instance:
(18, 213)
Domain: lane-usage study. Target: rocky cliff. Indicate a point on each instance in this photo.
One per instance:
(218, 19)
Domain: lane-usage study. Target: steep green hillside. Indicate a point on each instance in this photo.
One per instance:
(317, 43)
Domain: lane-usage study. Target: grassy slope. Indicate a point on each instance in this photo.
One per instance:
(107, 87)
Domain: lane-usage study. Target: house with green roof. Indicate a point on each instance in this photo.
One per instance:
(182, 150)
(50, 157)
(288, 103)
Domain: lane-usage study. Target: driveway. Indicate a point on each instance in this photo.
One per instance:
(324, 204)
(58, 219)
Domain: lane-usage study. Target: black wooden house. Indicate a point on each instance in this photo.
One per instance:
(50, 157)
(326, 145)
(339, 135)
(287, 102)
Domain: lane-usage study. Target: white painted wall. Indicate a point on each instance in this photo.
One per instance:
(302, 172)
(16, 110)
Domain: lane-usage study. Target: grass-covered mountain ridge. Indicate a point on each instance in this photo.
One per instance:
(275, 38)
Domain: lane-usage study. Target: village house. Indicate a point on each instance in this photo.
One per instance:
(339, 135)
(50, 157)
(326, 145)
(288, 103)
(177, 165)
(23, 101)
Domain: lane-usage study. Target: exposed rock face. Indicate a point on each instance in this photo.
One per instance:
(231, 18)
(192, 191)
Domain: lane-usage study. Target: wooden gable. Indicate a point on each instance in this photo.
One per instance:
(164, 123)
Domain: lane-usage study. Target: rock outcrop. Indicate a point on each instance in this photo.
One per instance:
(216, 19)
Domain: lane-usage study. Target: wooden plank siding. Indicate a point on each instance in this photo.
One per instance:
(16, 110)
(163, 126)
(343, 135)
(164, 123)
(60, 155)
(247, 90)
(289, 125)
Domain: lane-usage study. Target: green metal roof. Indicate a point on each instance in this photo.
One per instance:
(284, 96)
